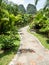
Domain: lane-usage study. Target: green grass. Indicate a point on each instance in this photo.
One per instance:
(6, 57)
(44, 40)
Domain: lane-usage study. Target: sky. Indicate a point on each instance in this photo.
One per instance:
(26, 2)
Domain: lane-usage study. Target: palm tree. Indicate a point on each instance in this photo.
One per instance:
(36, 1)
(46, 4)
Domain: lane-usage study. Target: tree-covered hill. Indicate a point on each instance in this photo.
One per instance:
(21, 9)
(31, 9)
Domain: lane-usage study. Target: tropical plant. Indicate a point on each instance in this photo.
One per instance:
(41, 22)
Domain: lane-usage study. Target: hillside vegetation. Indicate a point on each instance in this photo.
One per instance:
(41, 22)
(12, 18)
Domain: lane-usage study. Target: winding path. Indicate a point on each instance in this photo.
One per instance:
(30, 52)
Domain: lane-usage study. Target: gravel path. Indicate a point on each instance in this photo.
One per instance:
(30, 52)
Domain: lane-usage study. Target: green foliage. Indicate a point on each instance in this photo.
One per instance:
(7, 23)
(4, 20)
(11, 21)
(23, 19)
(7, 40)
(12, 8)
(7, 43)
(12, 16)
(18, 20)
(28, 18)
(41, 22)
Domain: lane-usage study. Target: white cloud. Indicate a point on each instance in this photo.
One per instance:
(17, 1)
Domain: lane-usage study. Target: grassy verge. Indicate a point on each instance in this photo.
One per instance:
(6, 57)
(44, 40)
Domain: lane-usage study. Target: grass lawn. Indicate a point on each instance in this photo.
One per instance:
(6, 57)
(44, 40)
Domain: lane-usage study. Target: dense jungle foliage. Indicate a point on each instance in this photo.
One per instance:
(41, 22)
(12, 17)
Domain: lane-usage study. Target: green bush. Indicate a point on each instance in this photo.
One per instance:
(41, 22)
(7, 42)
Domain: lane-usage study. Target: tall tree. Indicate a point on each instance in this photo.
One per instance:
(46, 4)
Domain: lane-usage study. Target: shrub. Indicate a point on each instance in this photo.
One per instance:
(41, 22)
(7, 42)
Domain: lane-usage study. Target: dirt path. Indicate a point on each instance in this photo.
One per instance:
(31, 52)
